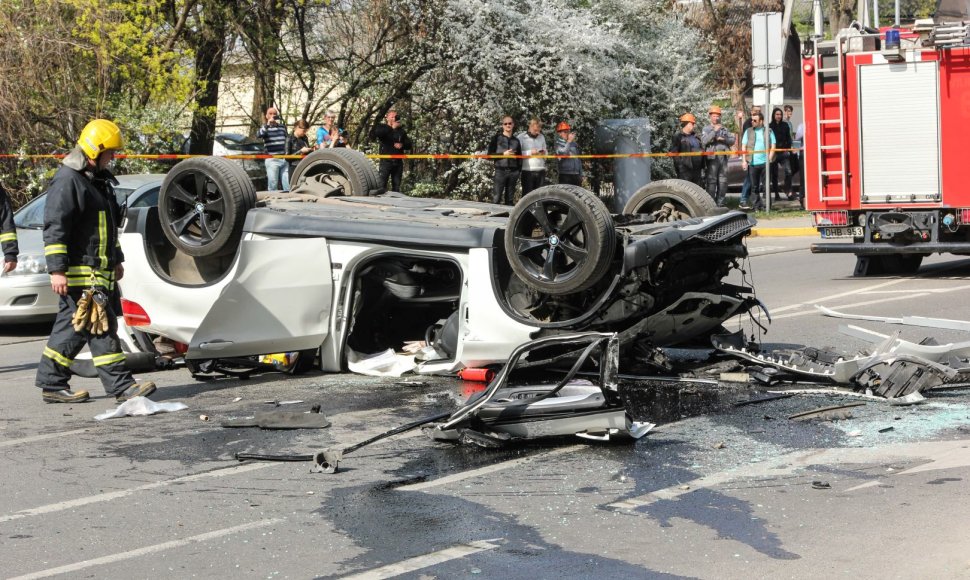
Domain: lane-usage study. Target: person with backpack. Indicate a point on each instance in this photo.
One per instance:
(758, 145)
(688, 167)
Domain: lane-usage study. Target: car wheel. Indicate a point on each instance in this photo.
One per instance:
(685, 197)
(560, 239)
(347, 171)
(202, 205)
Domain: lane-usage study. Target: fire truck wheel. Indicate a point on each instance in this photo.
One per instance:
(560, 239)
(686, 197)
(888, 265)
(202, 204)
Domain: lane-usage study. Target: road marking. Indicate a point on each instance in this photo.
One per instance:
(424, 485)
(839, 295)
(43, 437)
(426, 561)
(111, 559)
(102, 497)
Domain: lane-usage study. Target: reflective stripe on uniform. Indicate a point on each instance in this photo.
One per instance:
(87, 276)
(57, 357)
(55, 249)
(8, 237)
(103, 239)
(108, 359)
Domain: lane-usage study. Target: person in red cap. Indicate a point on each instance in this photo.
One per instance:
(688, 167)
(570, 170)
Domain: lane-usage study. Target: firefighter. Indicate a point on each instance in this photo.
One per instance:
(84, 259)
(8, 233)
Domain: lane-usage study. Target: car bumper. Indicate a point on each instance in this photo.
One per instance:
(27, 298)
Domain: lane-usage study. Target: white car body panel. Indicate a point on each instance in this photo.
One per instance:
(286, 309)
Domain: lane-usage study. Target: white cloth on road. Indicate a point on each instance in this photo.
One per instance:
(381, 364)
(138, 406)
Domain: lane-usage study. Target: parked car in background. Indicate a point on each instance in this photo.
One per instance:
(25, 293)
(225, 144)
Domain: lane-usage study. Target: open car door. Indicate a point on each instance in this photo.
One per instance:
(278, 301)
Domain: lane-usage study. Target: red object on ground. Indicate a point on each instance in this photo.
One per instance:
(477, 375)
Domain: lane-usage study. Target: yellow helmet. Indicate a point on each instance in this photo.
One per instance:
(98, 136)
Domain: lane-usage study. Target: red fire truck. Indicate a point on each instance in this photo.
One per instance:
(887, 126)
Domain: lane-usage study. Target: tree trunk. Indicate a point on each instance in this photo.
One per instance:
(209, 52)
(841, 14)
(262, 38)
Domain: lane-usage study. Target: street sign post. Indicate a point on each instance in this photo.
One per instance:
(767, 58)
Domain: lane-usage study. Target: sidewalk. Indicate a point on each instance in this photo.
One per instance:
(784, 225)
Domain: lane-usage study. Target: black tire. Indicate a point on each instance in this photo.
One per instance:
(348, 168)
(560, 239)
(686, 197)
(202, 204)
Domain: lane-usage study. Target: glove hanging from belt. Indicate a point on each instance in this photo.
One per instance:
(92, 312)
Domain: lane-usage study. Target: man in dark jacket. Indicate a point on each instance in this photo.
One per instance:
(507, 168)
(570, 170)
(689, 167)
(81, 246)
(8, 233)
(394, 141)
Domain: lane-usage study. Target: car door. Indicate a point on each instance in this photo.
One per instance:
(278, 300)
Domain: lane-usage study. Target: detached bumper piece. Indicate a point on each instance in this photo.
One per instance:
(591, 410)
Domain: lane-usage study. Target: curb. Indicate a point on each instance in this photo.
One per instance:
(783, 232)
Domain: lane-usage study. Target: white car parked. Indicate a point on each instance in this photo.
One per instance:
(25, 293)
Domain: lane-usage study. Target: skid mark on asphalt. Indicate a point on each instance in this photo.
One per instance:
(427, 560)
(102, 497)
(121, 556)
(425, 485)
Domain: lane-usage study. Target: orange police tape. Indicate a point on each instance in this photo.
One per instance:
(173, 157)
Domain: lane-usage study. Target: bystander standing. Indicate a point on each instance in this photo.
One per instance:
(273, 134)
(533, 142)
(717, 139)
(393, 140)
(297, 143)
(755, 142)
(507, 167)
(570, 169)
(688, 167)
(782, 133)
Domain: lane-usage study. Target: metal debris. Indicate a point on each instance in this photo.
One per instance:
(818, 413)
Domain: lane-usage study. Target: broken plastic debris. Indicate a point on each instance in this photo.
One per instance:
(203, 417)
(735, 377)
(139, 406)
(855, 433)
(237, 399)
(821, 485)
(914, 398)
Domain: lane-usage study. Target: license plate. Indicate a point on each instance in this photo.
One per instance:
(849, 232)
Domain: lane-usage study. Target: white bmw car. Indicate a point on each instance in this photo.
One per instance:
(336, 266)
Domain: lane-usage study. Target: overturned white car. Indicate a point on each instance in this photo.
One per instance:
(334, 266)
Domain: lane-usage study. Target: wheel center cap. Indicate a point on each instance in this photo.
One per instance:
(553, 240)
(199, 208)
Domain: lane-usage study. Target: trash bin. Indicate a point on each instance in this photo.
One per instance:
(629, 174)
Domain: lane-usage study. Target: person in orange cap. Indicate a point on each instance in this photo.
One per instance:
(688, 167)
(717, 139)
(570, 170)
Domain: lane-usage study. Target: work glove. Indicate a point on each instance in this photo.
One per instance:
(92, 312)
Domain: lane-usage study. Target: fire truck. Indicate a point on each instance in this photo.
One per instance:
(887, 127)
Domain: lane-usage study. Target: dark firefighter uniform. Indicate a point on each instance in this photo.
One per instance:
(81, 240)
(8, 231)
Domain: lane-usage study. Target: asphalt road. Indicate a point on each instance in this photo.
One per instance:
(715, 491)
